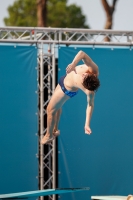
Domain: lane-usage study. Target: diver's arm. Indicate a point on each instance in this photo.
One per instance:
(89, 111)
(86, 59)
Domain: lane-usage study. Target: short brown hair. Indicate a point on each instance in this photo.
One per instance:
(91, 82)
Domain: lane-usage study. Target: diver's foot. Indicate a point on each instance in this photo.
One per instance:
(130, 197)
(56, 133)
(47, 139)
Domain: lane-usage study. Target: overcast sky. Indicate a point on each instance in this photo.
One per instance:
(95, 15)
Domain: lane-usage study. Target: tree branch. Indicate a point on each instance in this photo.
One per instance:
(106, 6)
(109, 13)
(41, 13)
(113, 6)
(114, 2)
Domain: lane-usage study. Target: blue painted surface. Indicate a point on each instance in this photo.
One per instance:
(18, 122)
(102, 161)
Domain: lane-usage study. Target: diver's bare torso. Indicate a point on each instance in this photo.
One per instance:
(73, 80)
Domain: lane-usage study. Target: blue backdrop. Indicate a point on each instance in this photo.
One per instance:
(102, 161)
(18, 121)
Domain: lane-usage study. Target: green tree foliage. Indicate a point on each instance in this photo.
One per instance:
(59, 14)
(22, 13)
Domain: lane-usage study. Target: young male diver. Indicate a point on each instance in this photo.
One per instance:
(84, 77)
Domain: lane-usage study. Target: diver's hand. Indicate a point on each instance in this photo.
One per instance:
(87, 130)
(70, 68)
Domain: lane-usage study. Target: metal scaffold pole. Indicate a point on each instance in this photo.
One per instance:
(41, 118)
(54, 142)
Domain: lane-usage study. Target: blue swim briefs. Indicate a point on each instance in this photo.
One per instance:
(67, 92)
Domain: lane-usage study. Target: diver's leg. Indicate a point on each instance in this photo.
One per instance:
(56, 102)
(56, 132)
